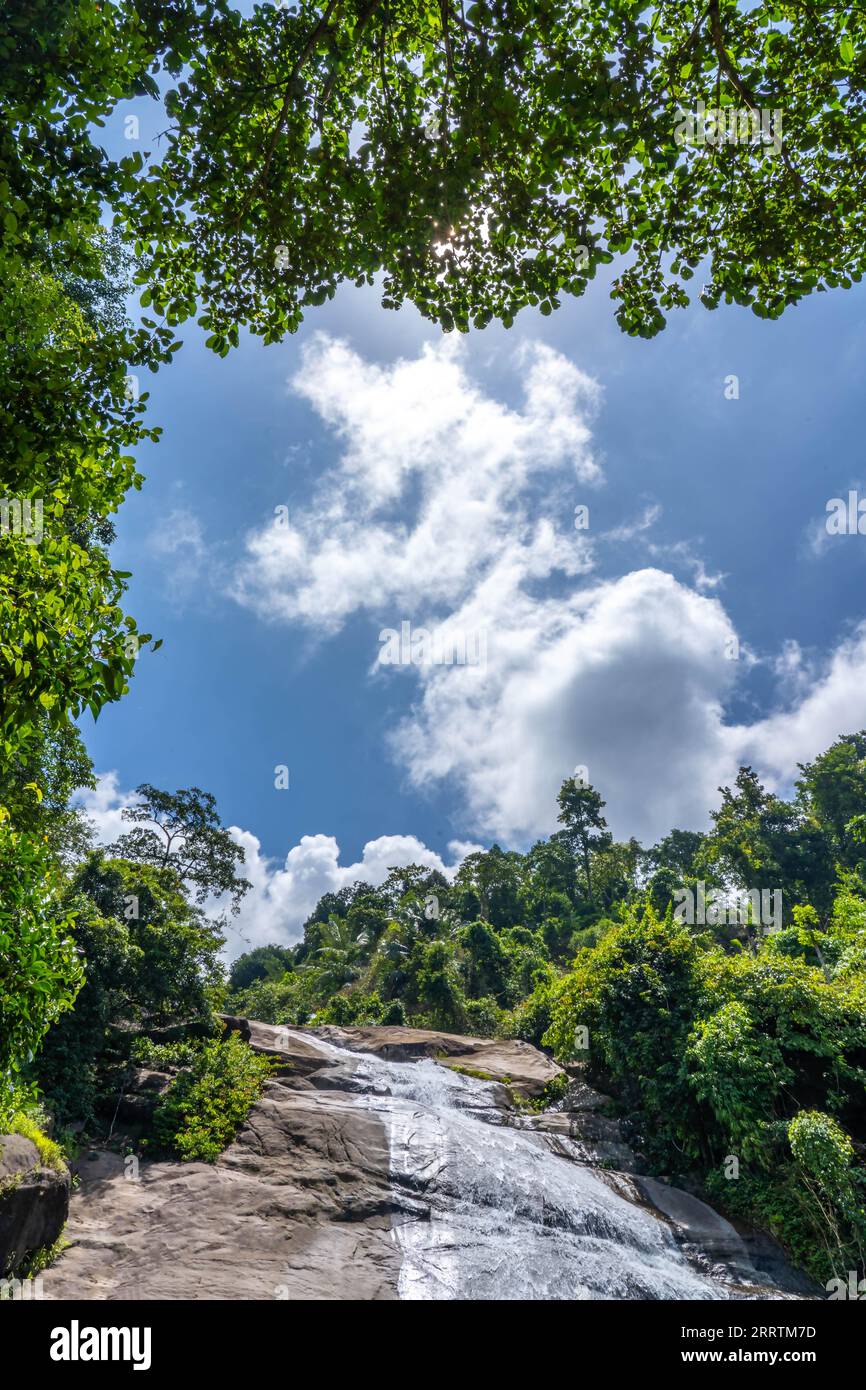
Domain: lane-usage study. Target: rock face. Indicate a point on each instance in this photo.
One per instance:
(300, 1206)
(34, 1203)
(363, 1175)
(526, 1070)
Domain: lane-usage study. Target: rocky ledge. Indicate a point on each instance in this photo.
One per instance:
(387, 1163)
(34, 1203)
(516, 1064)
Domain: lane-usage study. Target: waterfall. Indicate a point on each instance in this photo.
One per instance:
(494, 1212)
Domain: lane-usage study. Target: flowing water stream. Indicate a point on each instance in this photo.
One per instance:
(498, 1213)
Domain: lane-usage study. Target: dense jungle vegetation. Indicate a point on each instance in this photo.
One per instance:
(510, 153)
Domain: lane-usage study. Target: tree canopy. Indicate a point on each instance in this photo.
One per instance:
(181, 830)
(479, 158)
(473, 160)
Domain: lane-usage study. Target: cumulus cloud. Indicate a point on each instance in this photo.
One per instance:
(103, 806)
(454, 511)
(283, 896)
(626, 678)
(431, 492)
(832, 703)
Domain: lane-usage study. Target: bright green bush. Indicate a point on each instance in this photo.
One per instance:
(484, 1018)
(202, 1110)
(349, 1009)
(148, 956)
(824, 1159)
(291, 1000)
(737, 1071)
(145, 1053)
(637, 995)
(811, 1198)
(755, 1055)
(531, 1019)
(51, 1154)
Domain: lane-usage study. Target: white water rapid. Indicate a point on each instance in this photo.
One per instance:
(500, 1215)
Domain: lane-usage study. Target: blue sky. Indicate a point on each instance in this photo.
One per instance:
(606, 647)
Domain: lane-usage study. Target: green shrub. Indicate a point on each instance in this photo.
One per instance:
(291, 1000)
(484, 1018)
(834, 1188)
(51, 1154)
(159, 966)
(530, 1020)
(68, 1068)
(737, 1071)
(811, 1199)
(637, 994)
(263, 963)
(202, 1110)
(393, 1014)
(160, 1056)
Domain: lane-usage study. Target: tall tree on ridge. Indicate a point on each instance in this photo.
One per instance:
(580, 811)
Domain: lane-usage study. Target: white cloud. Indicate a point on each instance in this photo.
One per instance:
(283, 896)
(631, 530)
(833, 704)
(178, 543)
(103, 805)
(431, 490)
(685, 553)
(627, 678)
(448, 509)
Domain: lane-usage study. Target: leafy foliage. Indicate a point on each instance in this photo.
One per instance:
(150, 958)
(65, 423)
(182, 830)
(525, 145)
(40, 974)
(50, 1154)
(262, 963)
(205, 1106)
(479, 159)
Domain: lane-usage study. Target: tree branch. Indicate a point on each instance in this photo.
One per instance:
(741, 86)
(309, 45)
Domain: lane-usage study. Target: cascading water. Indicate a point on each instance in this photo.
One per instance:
(499, 1215)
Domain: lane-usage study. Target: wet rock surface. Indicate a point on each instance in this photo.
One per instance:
(363, 1175)
(526, 1070)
